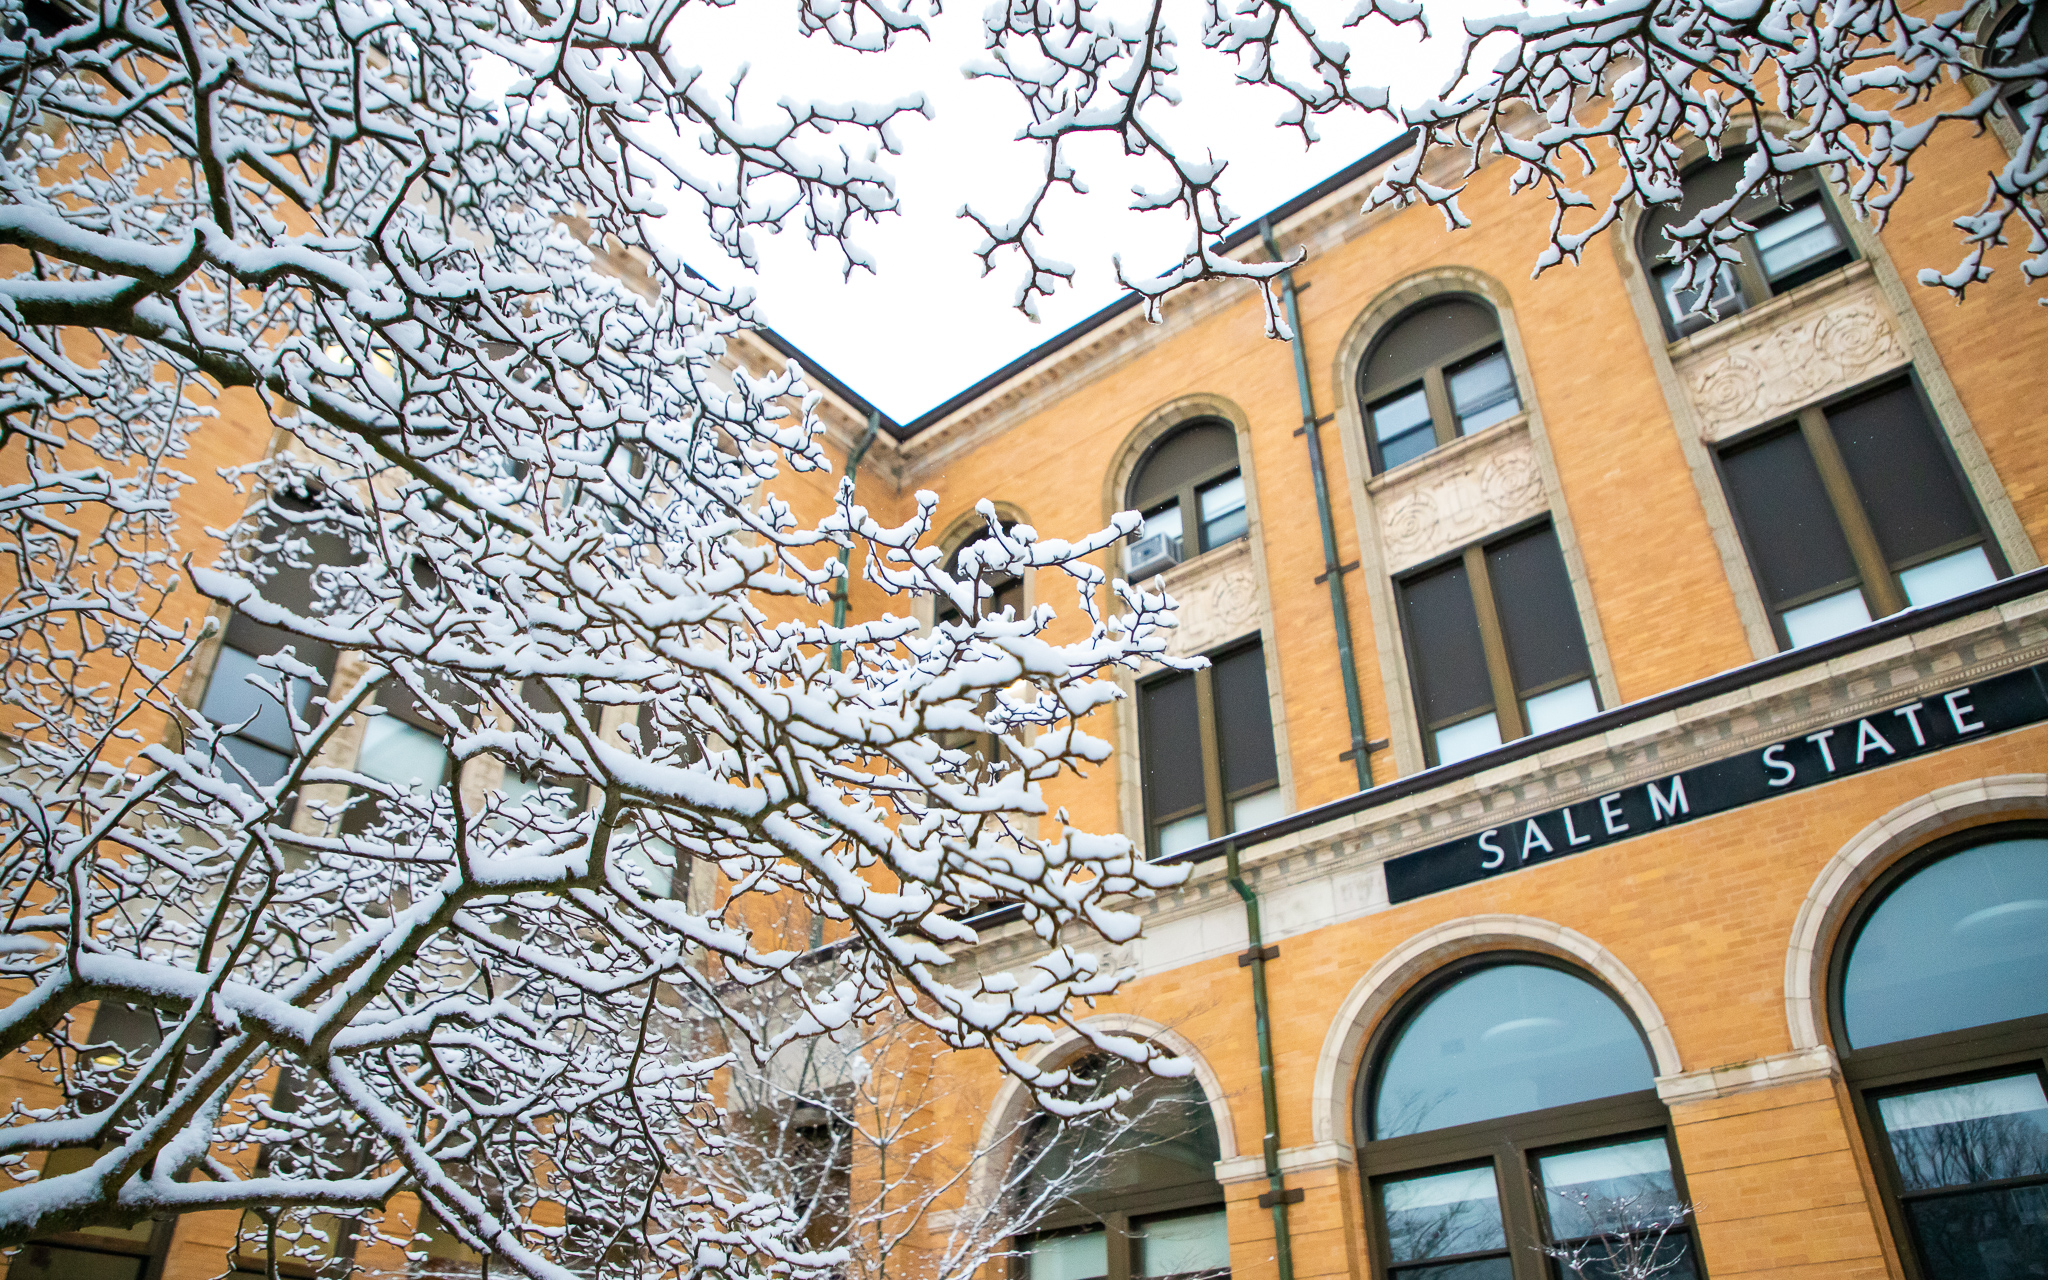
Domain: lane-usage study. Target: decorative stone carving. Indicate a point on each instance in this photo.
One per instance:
(1458, 493)
(1218, 596)
(1768, 363)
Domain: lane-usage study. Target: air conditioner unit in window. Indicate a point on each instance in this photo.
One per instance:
(1152, 554)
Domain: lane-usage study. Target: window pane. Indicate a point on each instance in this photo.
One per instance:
(1182, 1244)
(1901, 472)
(1794, 239)
(1794, 540)
(1080, 1255)
(1725, 298)
(1443, 643)
(231, 699)
(1467, 738)
(1483, 392)
(1244, 721)
(1183, 833)
(1507, 1039)
(1962, 943)
(1948, 577)
(54, 1262)
(1442, 1215)
(1471, 1269)
(1403, 428)
(1826, 618)
(1985, 1131)
(1989, 1235)
(1141, 556)
(1188, 454)
(264, 765)
(1538, 613)
(1223, 516)
(1561, 707)
(1170, 739)
(1607, 1190)
(1255, 811)
(401, 754)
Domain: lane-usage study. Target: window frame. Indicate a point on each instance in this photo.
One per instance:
(1876, 577)
(1216, 805)
(1509, 1145)
(1493, 638)
(1187, 495)
(1753, 284)
(1435, 381)
(1909, 1066)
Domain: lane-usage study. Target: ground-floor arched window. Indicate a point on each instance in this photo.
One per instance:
(1940, 1009)
(1509, 1110)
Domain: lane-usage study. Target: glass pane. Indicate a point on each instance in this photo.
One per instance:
(1990, 1235)
(1442, 1215)
(1253, 811)
(401, 754)
(1538, 614)
(1507, 1039)
(638, 853)
(1081, 1255)
(1483, 392)
(264, 765)
(1188, 454)
(1826, 618)
(1560, 707)
(1791, 240)
(1244, 720)
(1607, 1190)
(1963, 943)
(1984, 1131)
(1403, 428)
(1444, 646)
(54, 1262)
(1223, 517)
(1170, 739)
(1467, 738)
(1181, 1244)
(1787, 521)
(1725, 299)
(1470, 1269)
(231, 699)
(1948, 577)
(1183, 833)
(1910, 490)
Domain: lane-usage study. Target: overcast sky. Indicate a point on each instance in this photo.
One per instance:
(927, 324)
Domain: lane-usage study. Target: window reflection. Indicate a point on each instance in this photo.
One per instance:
(1954, 1141)
(1483, 392)
(1616, 1209)
(1441, 1216)
(1181, 1244)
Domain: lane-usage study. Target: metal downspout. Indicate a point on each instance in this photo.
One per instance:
(1333, 570)
(860, 451)
(1277, 1195)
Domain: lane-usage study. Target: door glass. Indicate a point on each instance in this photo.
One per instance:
(1445, 1216)
(1076, 1255)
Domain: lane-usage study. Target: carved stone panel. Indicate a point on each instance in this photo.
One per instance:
(1218, 596)
(1756, 367)
(1458, 494)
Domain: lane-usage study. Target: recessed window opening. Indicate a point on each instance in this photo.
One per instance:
(1941, 1004)
(1205, 742)
(1511, 1107)
(1190, 491)
(2020, 37)
(1797, 237)
(1855, 511)
(1439, 372)
(1495, 645)
(1007, 595)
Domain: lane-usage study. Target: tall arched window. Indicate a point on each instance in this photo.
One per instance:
(2020, 36)
(1006, 593)
(1798, 237)
(1511, 1107)
(1127, 1195)
(1941, 1016)
(1439, 372)
(1191, 493)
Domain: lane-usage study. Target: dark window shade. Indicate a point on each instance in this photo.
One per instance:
(1182, 457)
(1537, 614)
(1424, 337)
(1007, 591)
(1171, 745)
(1794, 539)
(1903, 475)
(1443, 640)
(1244, 722)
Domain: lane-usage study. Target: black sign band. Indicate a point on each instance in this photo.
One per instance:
(1899, 733)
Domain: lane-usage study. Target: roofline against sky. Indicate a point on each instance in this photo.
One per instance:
(901, 431)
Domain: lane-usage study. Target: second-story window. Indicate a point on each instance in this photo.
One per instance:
(1191, 493)
(1206, 741)
(1439, 372)
(1798, 237)
(1495, 645)
(1855, 511)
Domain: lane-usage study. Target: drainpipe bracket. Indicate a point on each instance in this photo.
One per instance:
(1293, 1195)
(1245, 959)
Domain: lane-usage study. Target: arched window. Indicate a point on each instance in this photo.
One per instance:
(2020, 36)
(1130, 1193)
(1941, 1014)
(1439, 372)
(1191, 493)
(1798, 237)
(1006, 592)
(1511, 1108)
